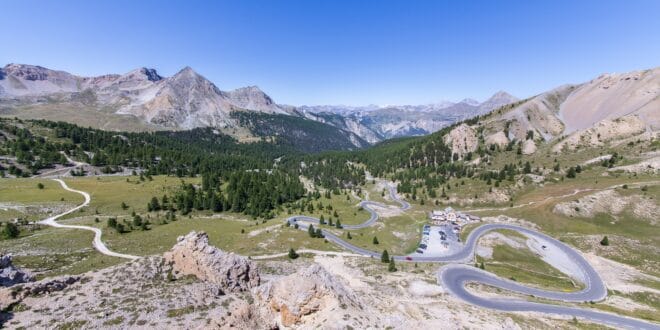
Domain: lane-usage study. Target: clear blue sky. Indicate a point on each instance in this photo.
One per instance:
(342, 52)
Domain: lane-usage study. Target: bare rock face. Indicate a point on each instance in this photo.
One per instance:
(498, 138)
(529, 147)
(192, 255)
(304, 293)
(462, 140)
(10, 275)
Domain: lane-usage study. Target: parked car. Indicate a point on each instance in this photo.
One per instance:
(420, 251)
(422, 246)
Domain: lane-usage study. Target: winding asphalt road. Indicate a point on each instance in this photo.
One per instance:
(454, 277)
(98, 244)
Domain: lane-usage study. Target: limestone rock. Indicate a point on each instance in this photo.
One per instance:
(498, 139)
(529, 147)
(308, 291)
(462, 139)
(192, 255)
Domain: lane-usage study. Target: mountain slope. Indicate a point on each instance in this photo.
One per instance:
(566, 118)
(617, 103)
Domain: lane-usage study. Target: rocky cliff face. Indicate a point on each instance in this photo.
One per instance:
(462, 140)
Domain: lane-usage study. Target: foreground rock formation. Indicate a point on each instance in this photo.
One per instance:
(305, 292)
(197, 286)
(192, 255)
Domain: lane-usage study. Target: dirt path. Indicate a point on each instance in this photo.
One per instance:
(98, 244)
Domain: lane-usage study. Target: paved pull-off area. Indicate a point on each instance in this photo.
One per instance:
(456, 276)
(98, 244)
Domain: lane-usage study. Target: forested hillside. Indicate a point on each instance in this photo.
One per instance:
(298, 133)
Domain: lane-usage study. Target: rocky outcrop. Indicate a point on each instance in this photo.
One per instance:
(9, 296)
(462, 140)
(304, 293)
(528, 147)
(192, 255)
(498, 139)
(10, 275)
(603, 132)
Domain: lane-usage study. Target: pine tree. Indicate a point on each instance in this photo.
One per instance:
(385, 257)
(391, 267)
(605, 241)
(311, 231)
(10, 231)
(293, 254)
(321, 220)
(319, 233)
(482, 266)
(348, 235)
(571, 173)
(375, 241)
(338, 224)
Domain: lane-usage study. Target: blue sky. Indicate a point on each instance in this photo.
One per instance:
(342, 52)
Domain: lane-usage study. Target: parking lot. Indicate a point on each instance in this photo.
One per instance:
(438, 241)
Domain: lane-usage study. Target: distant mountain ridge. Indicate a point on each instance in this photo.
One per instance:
(377, 123)
(188, 100)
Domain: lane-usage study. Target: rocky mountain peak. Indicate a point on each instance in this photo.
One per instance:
(502, 96)
(497, 100)
(27, 72)
(251, 97)
(186, 71)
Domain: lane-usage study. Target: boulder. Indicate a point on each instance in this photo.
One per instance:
(10, 275)
(192, 255)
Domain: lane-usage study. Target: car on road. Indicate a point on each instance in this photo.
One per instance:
(409, 258)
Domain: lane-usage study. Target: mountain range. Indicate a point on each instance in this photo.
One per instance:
(377, 123)
(142, 99)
